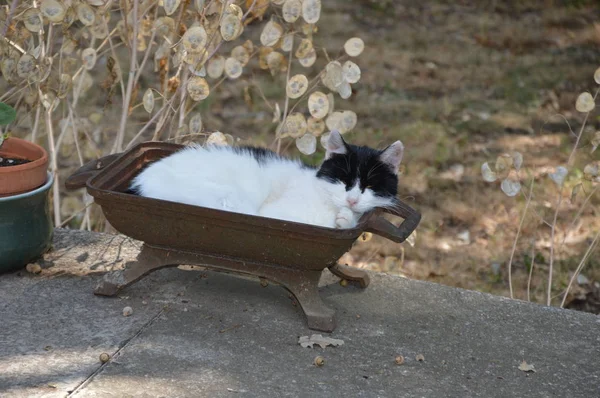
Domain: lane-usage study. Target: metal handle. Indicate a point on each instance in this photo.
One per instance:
(90, 169)
(382, 227)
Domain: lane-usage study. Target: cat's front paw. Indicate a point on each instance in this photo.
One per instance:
(344, 219)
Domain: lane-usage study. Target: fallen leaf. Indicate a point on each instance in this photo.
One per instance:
(318, 339)
(525, 367)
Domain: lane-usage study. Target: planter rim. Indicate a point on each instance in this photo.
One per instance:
(33, 162)
(45, 187)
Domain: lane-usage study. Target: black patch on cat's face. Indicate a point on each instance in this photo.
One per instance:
(362, 163)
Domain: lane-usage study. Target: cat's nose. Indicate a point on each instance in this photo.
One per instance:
(352, 202)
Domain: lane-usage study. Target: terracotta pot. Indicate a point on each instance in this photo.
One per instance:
(15, 180)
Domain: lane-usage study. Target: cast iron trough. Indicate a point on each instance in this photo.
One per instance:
(287, 253)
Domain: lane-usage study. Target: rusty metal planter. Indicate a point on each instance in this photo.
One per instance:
(288, 253)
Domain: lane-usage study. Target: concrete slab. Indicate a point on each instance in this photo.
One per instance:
(204, 334)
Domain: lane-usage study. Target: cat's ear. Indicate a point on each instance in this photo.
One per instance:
(335, 144)
(392, 155)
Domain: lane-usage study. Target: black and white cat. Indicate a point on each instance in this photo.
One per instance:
(351, 181)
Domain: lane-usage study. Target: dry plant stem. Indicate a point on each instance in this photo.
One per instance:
(514, 248)
(587, 254)
(287, 101)
(581, 208)
(72, 216)
(552, 234)
(183, 93)
(53, 167)
(118, 147)
(13, 5)
(572, 156)
(531, 270)
(36, 123)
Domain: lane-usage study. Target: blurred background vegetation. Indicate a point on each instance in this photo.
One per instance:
(459, 82)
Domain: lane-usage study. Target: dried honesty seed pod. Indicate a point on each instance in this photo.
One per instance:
(88, 56)
(311, 11)
(215, 67)
(271, 34)
(287, 42)
(170, 6)
(164, 26)
(324, 140)
(195, 124)
(297, 85)
(585, 103)
(351, 72)
(83, 83)
(8, 66)
(196, 59)
(231, 27)
(235, 10)
(294, 125)
(309, 60)
(344, 90)
(197, 72)
(100, 28)
(291, 10)
(510, 187)
(318, 105)
(33, 20)
(487, 173)
(276, 62)
(559, 175)
(307, 144)
(354, 46)
(315, 126)
(504, 163)
(591, 171)
(304, 48)
(241, 54)
(53, 10)
(233, 68)
(342, 121)
(148, 100)
(597, 76)
(85, 13)
(217, 138)
(263, 53)
(26, 66)
(331, 99)
(278, 2)
(198, 88)
(333, 76)
(194, 39)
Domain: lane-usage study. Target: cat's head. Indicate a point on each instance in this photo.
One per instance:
(360, 177)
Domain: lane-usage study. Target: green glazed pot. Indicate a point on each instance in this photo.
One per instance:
(25, 227)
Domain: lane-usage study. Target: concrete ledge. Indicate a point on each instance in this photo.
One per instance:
(204, 334)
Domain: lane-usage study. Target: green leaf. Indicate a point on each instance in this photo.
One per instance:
(7, 114)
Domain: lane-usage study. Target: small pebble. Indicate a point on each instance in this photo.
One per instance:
(264, 282)
(185, 310)
(399, 360)
(127, 311)
(420, 358)
(343, 283)
(144, 302)
(104, 357)
(33, 268)
(319, 361)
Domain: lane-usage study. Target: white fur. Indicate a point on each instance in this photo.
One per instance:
(219, 178)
